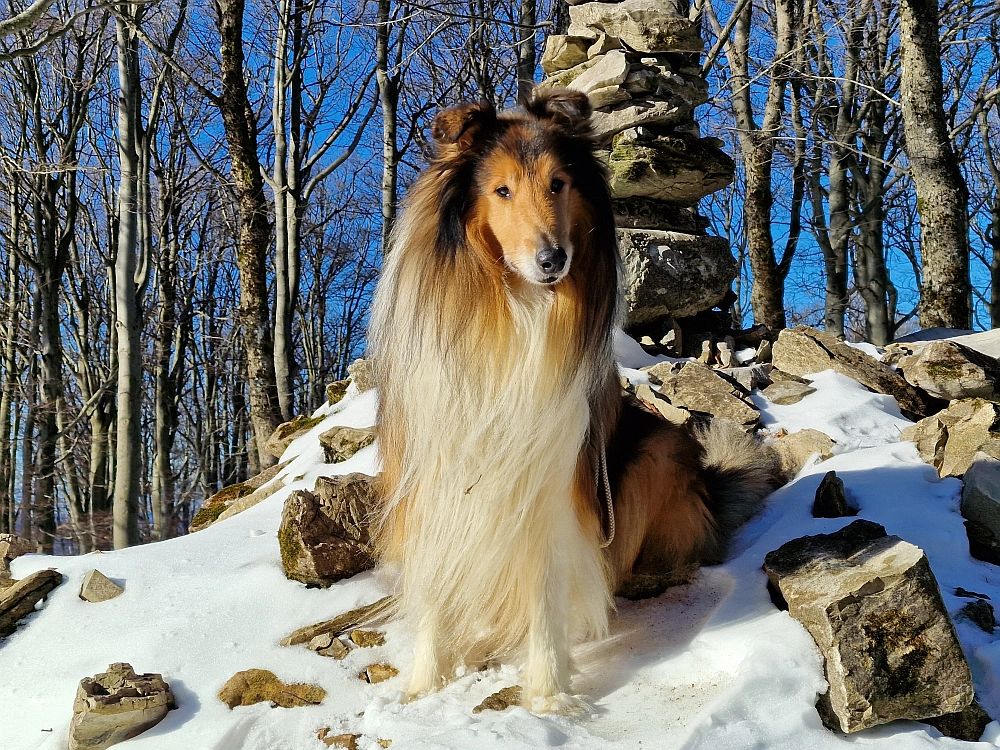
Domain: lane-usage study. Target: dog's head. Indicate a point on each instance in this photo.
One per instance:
(525, 185)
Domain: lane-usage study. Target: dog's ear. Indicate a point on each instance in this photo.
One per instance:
(565, 107)
(458, 127)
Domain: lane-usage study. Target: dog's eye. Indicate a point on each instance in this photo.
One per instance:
(557, 185)
(503, 191)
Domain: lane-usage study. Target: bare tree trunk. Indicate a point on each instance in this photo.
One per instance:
(240, 124)
(388, 87)
(127, 319)
(942, 195)
(757, 146)
(993, 232)
(526, 51)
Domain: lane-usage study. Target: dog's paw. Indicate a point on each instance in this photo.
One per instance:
(560, 703)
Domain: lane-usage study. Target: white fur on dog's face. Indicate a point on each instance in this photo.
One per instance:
(529, 207)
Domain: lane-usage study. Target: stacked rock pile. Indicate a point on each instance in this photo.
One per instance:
(637, 61)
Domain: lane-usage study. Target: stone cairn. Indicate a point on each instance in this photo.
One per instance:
(637, 61)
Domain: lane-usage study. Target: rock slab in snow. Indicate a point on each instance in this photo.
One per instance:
(340, 443)
(226, 499)
(365, 615)
(500, 700)
(981, 508)
(97, 587)
(804, 350)
(951, 439)
(324, 535)
(259, 685)
(18, 600)
(285, 433)
(872, 605)
(796, 449)
(785, 393)
(950, 371)
(117, 705)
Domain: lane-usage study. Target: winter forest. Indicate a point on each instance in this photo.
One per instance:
(195, 197)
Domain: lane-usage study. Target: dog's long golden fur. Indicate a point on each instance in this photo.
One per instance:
(492, 338)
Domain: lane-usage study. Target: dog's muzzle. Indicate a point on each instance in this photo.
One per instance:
(551, 261)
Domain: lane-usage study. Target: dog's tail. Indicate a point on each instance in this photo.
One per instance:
(740, 472)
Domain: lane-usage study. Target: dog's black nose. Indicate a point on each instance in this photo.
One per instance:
(551, 259)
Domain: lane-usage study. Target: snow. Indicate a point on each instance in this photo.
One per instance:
(712, 665)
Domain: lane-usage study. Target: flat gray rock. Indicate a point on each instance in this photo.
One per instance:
(644, 25)
(787, 392)
(872, 605)
(948, 370)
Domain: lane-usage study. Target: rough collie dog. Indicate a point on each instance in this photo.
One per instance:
(502, 429)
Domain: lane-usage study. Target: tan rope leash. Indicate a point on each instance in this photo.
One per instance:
(601, 476)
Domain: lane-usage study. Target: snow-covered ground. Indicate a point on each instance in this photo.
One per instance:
(710, 665)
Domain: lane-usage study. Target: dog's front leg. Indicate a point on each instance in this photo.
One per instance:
(546, 674)
(428, 663)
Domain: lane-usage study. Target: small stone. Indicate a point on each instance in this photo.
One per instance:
(750, 377)
(117, 705)
(348, 741)
(725, 351)
(362, 374)
(336, 650)
(786, 393)
(259, 685)
(285, 433)
(384, 743)
(360, 616)
(500, 700)
(340, 443)
(967, 725)
(831, 501)
(872, 605)
(563, 52)
(959, 591)
(763, 351)
(97, 587)
(323, 640)
(376, 673)
(981, 613)
(368, 638)
(663, 407)
(335, 391)
(796, 449)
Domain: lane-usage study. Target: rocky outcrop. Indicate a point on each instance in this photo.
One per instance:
(340, 443)
(700, 389)
(97, 587)
(117, 705)
(872, 605)
(950, 371)
(804, 350)
(261, 685)
(324, 534)
(950, 439)
(18, 599)
(237, 497)
(637, 63)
